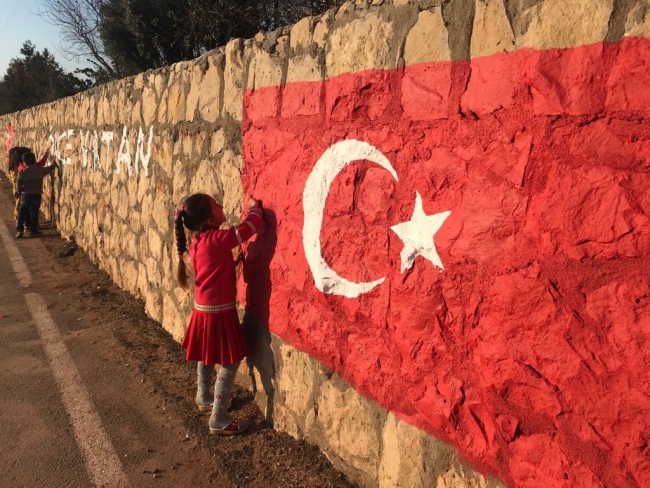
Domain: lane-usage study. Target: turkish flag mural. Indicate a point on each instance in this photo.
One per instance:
(468, 243)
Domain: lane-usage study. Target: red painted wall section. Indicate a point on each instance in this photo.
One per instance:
(10, 137)
(530, 351)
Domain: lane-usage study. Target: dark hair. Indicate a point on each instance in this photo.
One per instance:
(193, 214)
(29, 158)
(16, 156)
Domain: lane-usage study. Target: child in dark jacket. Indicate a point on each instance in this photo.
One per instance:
(29, 184)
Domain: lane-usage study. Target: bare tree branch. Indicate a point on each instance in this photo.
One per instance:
(79, 21)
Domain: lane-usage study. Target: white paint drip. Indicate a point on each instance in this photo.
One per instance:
(140, 155)
(124, 153)
(84, 147)
(95, 151)
(107, 138)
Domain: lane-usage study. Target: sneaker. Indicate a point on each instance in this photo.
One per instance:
(233, 428)
(19, 234)
(35, 233)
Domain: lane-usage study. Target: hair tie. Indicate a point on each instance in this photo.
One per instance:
(178, 210)
(180, 256)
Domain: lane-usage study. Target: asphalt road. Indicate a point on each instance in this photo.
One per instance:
(73, 412)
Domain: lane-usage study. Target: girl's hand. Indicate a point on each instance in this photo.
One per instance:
(253, 203)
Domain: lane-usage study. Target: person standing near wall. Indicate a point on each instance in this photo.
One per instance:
(15, 166)
(29, 185)
(15, 155)
(214, 335)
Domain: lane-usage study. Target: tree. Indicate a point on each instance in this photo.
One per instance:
(80, 22)
(34, 79)
(145, 34)
(126, 37)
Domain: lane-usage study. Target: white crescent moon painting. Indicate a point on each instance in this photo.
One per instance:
(317, 187)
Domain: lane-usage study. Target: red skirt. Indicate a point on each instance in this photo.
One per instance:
(215, 338)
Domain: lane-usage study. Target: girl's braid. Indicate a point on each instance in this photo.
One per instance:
(192, 213)
(181, 247)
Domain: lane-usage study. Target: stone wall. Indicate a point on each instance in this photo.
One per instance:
(133, 149)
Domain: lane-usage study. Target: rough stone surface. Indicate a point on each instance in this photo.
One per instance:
(298, 381)
(542, 159)
(638, 20)
(361, 44)
(560, 24)
(300, 34)
(234, 79)
(304, 68)
(427, 40)
(321, 29)
(349, 428)
(492, 32)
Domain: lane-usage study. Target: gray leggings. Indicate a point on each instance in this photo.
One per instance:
(222, 391)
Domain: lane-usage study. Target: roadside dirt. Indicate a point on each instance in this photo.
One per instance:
(259, 458)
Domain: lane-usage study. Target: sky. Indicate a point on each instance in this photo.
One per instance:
(19, 22)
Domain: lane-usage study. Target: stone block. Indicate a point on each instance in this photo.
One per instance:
(190, 145)
(457, 476)
(304, 68)
(162, 210)
(164, 146)
(153, 304)
(402, 460)
(321, 29)
(142, 284)
(230, 181)
(161, 109)
(296, 380)
(122, 203)
(194, 83)
(176, 103)
(264, 69)
(284, 420)
(428, 40)
(492, 32)
(349, 428)
(129, 274)
(149, 104)
(138, 81)
(562, 24)
(206, 180)
(181, 181)
(172, 321)
(217, 142)
(234, 82)
(135, 111)
(638, 20)
(210, 92)
(362, 44)
(155, 244)
(300, 33)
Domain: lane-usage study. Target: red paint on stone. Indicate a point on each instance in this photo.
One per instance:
(530, 351)
(10, 137)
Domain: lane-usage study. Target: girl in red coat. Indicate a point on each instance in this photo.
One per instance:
(214, 335)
